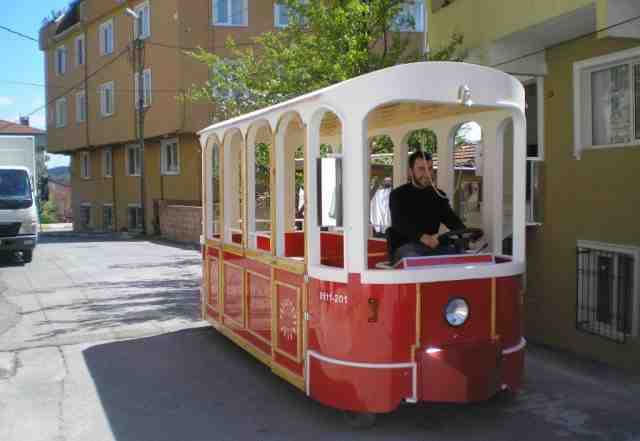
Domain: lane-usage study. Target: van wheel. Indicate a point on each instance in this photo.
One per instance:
(359, 420)
(27, 256)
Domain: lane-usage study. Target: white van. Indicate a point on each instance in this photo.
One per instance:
(18, 197)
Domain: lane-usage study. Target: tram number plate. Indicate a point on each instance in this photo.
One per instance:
(338, 299)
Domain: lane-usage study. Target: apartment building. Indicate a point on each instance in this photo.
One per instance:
(92, 88)
(579, 61)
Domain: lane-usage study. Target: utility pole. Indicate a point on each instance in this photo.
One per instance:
(139, 45)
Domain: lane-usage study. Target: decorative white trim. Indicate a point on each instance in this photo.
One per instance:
(409, 365)
(328, 273)
(442, 273)
(520, 346)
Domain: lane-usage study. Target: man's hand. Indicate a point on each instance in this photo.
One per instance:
(430, 241)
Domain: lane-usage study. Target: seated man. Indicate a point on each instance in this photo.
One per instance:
(417, 210)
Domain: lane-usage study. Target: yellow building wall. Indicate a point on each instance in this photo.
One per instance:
(485, 21)
(594, 199)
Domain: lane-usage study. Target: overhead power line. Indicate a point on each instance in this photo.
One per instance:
(75, 86)
(20, 34)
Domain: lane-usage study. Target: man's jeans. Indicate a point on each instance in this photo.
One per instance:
(417, 249)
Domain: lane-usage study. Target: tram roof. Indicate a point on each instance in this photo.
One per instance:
(436, 83)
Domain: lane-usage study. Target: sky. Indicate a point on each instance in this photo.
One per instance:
(22, 61)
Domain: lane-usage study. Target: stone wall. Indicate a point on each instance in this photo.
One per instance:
(182, 223)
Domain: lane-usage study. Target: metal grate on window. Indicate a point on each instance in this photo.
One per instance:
(605, 289)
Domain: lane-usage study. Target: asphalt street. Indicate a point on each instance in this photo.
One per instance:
(100, 339)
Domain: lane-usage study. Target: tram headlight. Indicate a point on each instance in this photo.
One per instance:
(457, 312)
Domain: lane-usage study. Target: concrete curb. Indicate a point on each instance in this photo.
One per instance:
(9, 313)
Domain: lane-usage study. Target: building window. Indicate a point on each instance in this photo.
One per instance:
(133, 161)
(146, 88)
(107, 99)
(534, 97)
(85, 216)
(107, 163)
(107, 217)
(281, 15)
(61, 112)
(170, 157)
(61, 60)
(106, 38)
(134, 217)
(85, 165)
(80, 50)
(411, 17)
(607, 290)
(142, 25)
(230, 12)
(607, 101)
(81, 107)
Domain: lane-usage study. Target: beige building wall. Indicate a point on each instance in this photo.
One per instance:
(593, 199)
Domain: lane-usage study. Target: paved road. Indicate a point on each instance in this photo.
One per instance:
(108, 346)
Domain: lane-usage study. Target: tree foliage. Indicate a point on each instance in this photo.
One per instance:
(325, 42)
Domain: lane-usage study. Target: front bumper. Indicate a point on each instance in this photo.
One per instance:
(18, 243)
(468, 371)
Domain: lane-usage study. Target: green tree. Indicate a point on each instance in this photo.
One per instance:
(49, 213)
(326, 42)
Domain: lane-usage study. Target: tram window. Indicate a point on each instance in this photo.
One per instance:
(259, 215)
(215, 190)
(233, 190)
(467, 163)
(330, 192)
(289, 151)
(425, 140)
(380, 184)
(299, 189)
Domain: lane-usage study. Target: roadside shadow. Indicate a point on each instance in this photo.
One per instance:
(112, 305)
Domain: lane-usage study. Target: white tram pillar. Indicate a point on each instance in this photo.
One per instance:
(355, 191)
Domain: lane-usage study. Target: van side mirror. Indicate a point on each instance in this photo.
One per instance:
(329, 172)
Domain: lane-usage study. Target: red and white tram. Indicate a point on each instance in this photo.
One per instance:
(294, 274)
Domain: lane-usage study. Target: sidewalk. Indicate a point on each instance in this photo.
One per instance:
(45, 228)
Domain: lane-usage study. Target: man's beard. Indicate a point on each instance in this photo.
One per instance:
(422, 183)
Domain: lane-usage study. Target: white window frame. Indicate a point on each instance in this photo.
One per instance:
(107, 166)
(146, 84)
(81, 107)
(418, 15)
(85, 165)
(276, 15)
(582, 105)
(61, 60)
(136, 166)
(539, 158)
(630, 251)
(61, 112)
(245, 15)
(107, 46)
(164, 145)
(138, 209)
(144, 13)
(103, 99)
(110, 207)
(81, 52)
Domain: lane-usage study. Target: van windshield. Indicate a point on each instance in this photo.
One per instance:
(14, 185)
